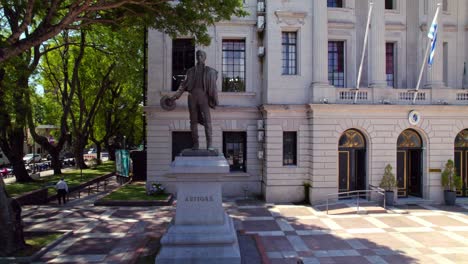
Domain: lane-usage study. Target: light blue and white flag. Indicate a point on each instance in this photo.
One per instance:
(432, 34)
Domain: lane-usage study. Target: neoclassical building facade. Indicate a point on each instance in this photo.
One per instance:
(289, 109)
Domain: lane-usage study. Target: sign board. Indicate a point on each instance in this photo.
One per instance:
(122, 162)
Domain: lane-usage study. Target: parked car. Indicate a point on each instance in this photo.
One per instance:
(29, 158)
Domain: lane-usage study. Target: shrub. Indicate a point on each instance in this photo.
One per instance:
(450, 180)
(388, 182)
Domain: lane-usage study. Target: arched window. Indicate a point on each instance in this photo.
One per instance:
(352, 139)
(461, 141)
(409, 139)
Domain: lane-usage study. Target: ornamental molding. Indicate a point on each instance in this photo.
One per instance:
(392, 26)
(290, 18)
(447, 27)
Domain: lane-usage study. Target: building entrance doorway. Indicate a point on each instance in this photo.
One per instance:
(461, 160)
(352, 161)
(409, 164)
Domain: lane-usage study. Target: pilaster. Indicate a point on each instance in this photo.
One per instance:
(320, 83)
(376, 48)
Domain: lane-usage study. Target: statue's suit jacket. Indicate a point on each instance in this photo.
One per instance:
(210, 76)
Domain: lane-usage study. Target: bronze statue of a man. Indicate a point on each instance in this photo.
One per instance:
(200, 82)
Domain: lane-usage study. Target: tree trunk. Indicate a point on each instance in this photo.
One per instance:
(98, 153)
(15, 155)
(56, 164)
(11, 231)
(78, 153)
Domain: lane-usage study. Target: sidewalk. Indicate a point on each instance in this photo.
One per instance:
(267, 232)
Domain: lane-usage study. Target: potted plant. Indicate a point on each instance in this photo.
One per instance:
(388, 183)
(451, 182)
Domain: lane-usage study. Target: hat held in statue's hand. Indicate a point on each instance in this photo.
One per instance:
(167, 103)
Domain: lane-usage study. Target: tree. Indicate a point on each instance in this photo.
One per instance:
(121, 110)
(26, 25)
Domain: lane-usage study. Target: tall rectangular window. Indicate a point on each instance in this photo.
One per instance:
(336, 69)
(183, 58)
(235, 150)
(290, 148)
(390, 4)
(233, 65)
(334, 3)
(288, 42)
(445, 5)
(390, 63)
(180, 140)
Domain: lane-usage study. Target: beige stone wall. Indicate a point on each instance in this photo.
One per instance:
(283, 183)
(381, 125)
(161, 124)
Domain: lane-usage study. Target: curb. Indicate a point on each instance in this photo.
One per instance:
(166, 202)
(39, 253)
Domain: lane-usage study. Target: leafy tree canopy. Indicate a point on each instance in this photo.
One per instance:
(28, 23)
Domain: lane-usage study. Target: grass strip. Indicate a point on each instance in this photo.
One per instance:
(72, 177)
(134, 192)
(35, 242)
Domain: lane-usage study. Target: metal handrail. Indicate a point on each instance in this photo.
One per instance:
(358, 193)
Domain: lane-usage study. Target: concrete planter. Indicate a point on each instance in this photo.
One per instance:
(450, 197)
(389, 197)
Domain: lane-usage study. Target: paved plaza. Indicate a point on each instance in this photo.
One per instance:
(280, 233)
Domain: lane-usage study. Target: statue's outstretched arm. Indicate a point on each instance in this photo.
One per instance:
(179, 91)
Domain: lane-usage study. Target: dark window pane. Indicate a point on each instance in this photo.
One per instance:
(334, 3)
(235, 150)
(233, 66)
(390, 63)
(290, 148)
(336, 63)
(389, 4)
(183, 58)
(180, 140)
(289, 64)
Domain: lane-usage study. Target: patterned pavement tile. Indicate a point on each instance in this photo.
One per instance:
(92, 246)
(354, 223)
(325, 242)
(308, 224)
(294, 211)
(106, 227)
(434, 239)
(276, 243)
(261, 225)
(401, 221)
(379, 240)
(253, 212)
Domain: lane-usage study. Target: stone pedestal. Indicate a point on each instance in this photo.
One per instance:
(201, 232)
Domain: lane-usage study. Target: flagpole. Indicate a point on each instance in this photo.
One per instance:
(425, 56)
(371, 4)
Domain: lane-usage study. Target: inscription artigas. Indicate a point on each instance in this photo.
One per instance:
(199, 198)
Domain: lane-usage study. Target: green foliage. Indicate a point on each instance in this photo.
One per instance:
(450, 180)
(388, 182)
(134, 192)
(45, 19)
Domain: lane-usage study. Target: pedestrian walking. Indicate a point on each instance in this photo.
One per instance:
(62, 190)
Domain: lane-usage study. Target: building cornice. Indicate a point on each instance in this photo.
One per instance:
(290, 18)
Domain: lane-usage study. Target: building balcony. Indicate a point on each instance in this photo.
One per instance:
(441, 96)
